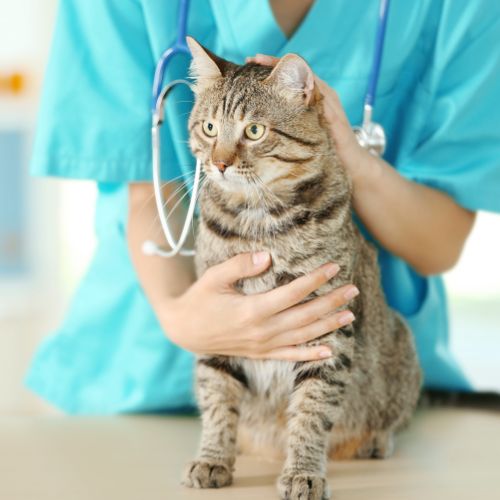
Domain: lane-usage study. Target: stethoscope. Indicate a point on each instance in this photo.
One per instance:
(370, 135)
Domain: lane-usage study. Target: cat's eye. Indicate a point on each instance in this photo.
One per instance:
(254, 131)
(209, 129)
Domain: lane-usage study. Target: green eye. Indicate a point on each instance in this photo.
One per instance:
(255, 131)
(209, 129)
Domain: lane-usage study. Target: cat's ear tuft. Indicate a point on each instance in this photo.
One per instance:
(294, 76)
(205, 66)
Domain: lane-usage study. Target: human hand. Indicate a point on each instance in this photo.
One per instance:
(211, 317)
(355, 158)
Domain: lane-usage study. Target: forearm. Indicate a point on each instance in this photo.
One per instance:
(423, 226)
(162, 279)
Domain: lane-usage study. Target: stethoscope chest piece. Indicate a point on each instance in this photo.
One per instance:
(371, 136)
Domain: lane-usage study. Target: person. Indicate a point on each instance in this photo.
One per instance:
(128, 338)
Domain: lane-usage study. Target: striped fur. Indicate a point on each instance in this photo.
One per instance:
(288, 194)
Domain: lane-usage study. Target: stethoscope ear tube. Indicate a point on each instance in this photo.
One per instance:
(149, 247)
(371, 135)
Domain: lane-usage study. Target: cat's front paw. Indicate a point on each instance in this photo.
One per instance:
(303, 487)
(206, 474)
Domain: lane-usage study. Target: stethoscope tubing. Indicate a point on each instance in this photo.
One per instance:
(179, 47)
(149, 247)
(377, 54)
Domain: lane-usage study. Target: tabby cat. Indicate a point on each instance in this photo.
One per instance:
(274, 183)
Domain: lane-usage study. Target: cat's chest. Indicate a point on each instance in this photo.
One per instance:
(299, 238)
(268, 379)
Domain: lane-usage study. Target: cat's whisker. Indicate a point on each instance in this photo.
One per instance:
(173, 208)
(177, 177)
(172, 195)
(202, 186)
(163, 186)
(156, 219)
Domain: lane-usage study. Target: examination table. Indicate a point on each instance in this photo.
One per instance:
(447, 453)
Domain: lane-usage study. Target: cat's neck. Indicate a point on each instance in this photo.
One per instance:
(318, 208)
(326, 185)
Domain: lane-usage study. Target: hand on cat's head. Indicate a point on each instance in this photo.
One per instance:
(333, 109)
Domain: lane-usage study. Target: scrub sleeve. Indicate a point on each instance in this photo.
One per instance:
(449, 139)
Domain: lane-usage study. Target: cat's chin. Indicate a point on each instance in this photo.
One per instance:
(232, 184)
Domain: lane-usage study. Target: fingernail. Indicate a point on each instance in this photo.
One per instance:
(346, 318)
(331, 270)
(259, 258)
(351, 293)
(325, 353)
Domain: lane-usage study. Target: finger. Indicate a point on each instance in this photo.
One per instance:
(304, 314)
(293, 353)
(335, 113)
(340, 127)
(263, 59)
(311, 331)
(288, 295)
(332, 104)
(240, 266)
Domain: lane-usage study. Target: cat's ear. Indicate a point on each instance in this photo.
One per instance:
(294, 76)
(205, 67)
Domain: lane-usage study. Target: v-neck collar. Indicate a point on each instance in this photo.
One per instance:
(323, 38)
(287, 43)
(267, 37)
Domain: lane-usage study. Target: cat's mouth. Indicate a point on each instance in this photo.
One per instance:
(229, 177)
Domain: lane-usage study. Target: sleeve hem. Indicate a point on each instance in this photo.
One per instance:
(111, 170)
(486, 199)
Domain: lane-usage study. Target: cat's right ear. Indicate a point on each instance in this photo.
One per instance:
(293, 76)
(206, 68)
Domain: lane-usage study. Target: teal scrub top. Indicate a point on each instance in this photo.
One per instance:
(437, 98)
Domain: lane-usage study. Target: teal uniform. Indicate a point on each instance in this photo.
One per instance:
(437, 99)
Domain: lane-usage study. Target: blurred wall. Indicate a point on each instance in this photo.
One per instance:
(46, 234)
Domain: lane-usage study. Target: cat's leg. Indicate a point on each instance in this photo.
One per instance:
(220, 387)
(315, 406)
(381, 445)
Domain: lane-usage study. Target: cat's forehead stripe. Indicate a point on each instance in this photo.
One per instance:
(240, 99)
(234, 95)
(224, 101)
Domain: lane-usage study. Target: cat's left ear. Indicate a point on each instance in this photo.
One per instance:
(294, 76)
(206, 68)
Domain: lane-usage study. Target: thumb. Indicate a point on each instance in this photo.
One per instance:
(240, 266)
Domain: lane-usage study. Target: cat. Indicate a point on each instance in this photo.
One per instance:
(274, 183)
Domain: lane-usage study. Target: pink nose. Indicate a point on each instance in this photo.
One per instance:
(220, 165)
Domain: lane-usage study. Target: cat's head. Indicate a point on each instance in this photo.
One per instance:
(255, 125)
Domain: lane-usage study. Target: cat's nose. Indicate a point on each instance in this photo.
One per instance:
(220, 165)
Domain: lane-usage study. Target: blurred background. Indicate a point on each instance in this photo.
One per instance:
(46, 235)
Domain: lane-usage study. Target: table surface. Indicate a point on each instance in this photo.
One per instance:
(446, 453)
